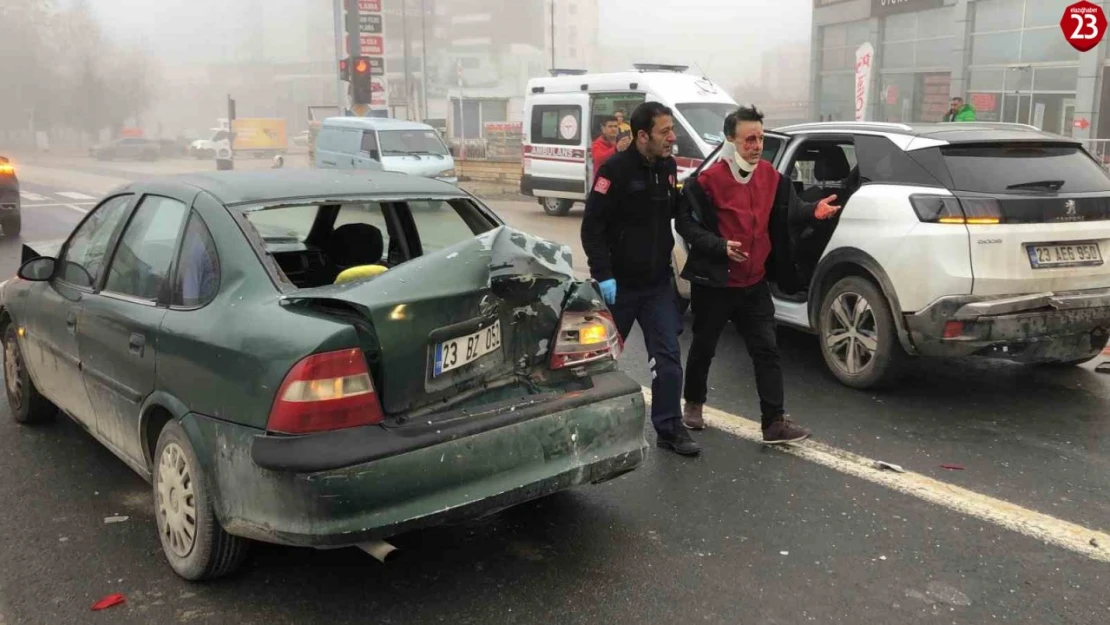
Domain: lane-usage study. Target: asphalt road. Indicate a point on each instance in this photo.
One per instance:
(742, 534)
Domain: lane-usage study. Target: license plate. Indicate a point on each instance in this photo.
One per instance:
(464, 350)
(1078, 254)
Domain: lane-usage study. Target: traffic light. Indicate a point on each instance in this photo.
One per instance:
(344, 70)
(360, 79)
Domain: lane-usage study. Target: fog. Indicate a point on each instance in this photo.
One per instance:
(168, 67)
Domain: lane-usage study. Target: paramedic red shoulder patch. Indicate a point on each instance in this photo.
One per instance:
(602, 185)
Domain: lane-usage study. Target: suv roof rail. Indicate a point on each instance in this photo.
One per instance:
(1001, 125)
(850, 124)
(660, 67)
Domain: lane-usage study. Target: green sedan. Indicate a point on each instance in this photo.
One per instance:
(319, 358)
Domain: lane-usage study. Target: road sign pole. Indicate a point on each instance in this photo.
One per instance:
(340, 96)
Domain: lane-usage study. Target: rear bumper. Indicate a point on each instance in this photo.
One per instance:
(383, 482)
(1038, 327)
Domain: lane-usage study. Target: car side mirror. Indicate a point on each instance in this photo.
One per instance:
(38, 269)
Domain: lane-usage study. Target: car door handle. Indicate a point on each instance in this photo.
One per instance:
(71, 322)
(137, 344)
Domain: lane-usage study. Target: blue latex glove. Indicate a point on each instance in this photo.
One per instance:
(609, 291)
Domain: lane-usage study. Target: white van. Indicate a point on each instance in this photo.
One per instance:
(384, 144)
(563, 113)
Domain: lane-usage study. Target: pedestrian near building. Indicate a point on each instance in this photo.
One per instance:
(737, 216)
(959, 112)
(626, 234)
(606, 144)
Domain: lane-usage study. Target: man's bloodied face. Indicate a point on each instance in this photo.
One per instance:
(749, 141)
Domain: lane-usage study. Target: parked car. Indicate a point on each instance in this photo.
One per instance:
(970, 239)
(11, 215)
(319, 358)
(134, 148)
(384, 144)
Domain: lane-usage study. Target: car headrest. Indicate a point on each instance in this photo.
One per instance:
(832, 165)
(356, 244)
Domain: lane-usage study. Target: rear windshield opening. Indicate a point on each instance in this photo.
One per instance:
(313, 244)
(1024, 168)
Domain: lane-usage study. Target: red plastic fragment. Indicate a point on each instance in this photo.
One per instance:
(108, 602)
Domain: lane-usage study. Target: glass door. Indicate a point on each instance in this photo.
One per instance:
(1067, 120)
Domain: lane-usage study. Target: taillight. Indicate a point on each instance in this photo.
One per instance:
(946, 209)
(584, 338)
(329, 391)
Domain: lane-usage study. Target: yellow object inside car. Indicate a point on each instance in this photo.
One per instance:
(359, 272)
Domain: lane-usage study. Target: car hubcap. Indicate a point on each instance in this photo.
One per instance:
(551, 204)
(13, 373)
(852, 337)
(177, 514)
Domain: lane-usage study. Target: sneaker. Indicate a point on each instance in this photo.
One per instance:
(678, 442)
(692, 417)
(784, 431)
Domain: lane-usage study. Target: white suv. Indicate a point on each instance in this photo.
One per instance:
(968, 239)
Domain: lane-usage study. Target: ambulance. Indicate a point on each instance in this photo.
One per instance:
(563, 114)
(562, 117)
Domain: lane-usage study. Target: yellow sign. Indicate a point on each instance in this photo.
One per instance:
(256, 133)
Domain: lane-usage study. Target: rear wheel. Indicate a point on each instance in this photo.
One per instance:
(194, 542)
(27, 404)
(858, 337)
(12, 226)
(556, 207)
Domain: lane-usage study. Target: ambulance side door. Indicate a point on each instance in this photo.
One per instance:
(556, 145)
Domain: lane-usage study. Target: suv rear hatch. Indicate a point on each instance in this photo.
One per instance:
(472, 324)
(1038, 215)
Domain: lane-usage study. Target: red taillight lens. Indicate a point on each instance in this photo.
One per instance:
(953, 329)
(328, 391)
(584, 338)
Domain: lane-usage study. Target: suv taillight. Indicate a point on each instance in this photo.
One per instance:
(329, 391)
(946, 209)
(585, 337)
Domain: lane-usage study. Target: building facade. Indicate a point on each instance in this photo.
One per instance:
(1007, 58)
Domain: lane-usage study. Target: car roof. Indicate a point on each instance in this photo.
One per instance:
(945, 132)
(375, 123)
(275, 185)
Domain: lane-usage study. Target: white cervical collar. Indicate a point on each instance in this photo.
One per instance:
(741, 169)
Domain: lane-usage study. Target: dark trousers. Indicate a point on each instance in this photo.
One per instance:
(752, 311)
(655, 309)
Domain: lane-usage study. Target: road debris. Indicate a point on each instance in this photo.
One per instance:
(115, 519)
(952, 467)
(1095, 543)
(881, 465)
(110, 601)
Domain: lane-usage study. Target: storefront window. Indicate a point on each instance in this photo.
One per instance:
(987, 79)
(837, 97)
(1057, 79)
(995, 49)
(1046, 45)
(917, 40)
(897, 55)
(917, 97)
(1045, 12)
(900, 27)
(996, 15)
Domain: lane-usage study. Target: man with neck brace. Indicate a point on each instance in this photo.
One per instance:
(737, 217)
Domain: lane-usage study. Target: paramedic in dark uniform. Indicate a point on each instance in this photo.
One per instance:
(626, 234)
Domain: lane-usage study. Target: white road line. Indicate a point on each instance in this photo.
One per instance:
(76, 208)
(73, 195)
(1031, 523)
(32, 197)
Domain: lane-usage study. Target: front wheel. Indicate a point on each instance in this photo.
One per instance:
(858, 337)
(556, 207)
(194, 542)
(12, 226)
(28, 406)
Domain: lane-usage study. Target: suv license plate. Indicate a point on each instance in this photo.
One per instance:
(464, 350)
(1051, 255)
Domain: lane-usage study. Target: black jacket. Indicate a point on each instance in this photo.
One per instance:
(707, 263)
(626, 231)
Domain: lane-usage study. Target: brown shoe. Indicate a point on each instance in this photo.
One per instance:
(692, 416)
(784, 431)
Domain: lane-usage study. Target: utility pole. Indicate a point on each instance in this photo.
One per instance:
(552, 34)
(340, 96)
(424, 55)
(405, 40)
